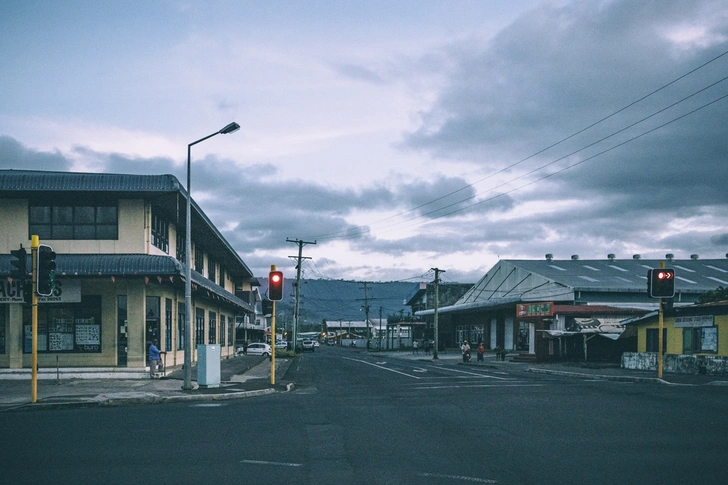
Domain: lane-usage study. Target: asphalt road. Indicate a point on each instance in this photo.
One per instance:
(358, 418)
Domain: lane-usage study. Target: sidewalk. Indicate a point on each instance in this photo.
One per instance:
(580, 370)
(240, 377)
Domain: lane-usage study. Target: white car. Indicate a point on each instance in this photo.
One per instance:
(281, 345)
(259, 349)
(308, 345)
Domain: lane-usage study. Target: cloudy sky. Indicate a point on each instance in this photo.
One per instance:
(398, 135)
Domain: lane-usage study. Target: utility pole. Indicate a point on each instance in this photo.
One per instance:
(437, 301)
(366, 311)
(298, 286)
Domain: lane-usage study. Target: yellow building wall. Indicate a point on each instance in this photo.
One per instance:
(675, 336)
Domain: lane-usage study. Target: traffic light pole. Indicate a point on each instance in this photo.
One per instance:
(660, 343)
(273, 338)
(34, 243)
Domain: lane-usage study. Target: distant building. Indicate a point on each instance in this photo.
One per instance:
(567, 309)
(120, 244)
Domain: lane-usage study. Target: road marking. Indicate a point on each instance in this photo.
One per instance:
(470, 373)
(457, 386)
(458, 477)
(273, 463)
(383, 368)
(419, 369)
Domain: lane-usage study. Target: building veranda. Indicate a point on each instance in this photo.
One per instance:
(120, 247)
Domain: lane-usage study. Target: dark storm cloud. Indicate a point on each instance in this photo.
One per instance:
(513, 104)
(14, 155)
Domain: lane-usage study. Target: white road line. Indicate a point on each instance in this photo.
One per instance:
(456, 386)
(458, 477)
(383, 368)
(486, 376)
(274, 463)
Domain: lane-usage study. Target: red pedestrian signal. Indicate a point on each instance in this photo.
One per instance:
(275, 286)
(661, 283)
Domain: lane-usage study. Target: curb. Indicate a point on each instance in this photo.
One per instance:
(105, 400)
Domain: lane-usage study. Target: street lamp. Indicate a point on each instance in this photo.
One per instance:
(187, 383)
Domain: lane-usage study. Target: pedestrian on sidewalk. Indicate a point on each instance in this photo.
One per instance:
(416, 347)
(427, 346)
(154, 357)
(481, 352)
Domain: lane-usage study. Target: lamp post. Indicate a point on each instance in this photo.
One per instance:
(187, 383)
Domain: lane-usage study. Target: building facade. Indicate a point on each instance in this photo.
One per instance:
(120, 245)
(568, 309)
(695, 340)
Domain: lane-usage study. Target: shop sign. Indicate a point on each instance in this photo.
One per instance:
(67, 291)
(525, 310)
(694, 321)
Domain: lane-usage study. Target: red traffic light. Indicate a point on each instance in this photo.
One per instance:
(661, 283)
(275, 285)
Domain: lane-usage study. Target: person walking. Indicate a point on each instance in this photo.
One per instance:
(481, 352)
(466, 351)
(154, 356)
(416, 347)
(427, 346)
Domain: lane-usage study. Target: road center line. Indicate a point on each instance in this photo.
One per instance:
(383, 368)
(485, 376)
(274, 463)
(458, 477)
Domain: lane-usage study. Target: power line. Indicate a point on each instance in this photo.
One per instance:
(355, 233)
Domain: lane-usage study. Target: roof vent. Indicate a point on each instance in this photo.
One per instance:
(670, 256)
(575, 257)
(550, 256)
(611, 256)
(694, 256)
(636, 256)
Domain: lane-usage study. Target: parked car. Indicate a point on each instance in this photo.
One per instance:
(281, 345)
(308, 345)
(259, 349)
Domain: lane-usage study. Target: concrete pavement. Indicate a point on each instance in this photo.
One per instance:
(240, 377)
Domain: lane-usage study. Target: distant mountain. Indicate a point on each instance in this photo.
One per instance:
(335, 300)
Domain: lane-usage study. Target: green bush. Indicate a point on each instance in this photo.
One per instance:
(285, 353)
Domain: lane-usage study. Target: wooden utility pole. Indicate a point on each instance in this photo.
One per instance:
(437, 302)
(298, 286)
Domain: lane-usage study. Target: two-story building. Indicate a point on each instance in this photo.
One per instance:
(120, 245)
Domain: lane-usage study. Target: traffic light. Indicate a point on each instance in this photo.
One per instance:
(46, 270)
(275, 285)
(267, 308)
(19, 263)
(661, 283)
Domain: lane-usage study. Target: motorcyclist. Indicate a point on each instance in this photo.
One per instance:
(466, 351)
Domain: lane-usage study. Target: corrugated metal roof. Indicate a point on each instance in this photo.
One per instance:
(21, 183)
(125, 265)
(24, 180)
(512, 281)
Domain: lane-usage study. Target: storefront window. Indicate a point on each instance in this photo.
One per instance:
(212, 334)
(168, 324)
(2, 332)
(652, 342)
(703, 339)
(73, 328)
(181, 321)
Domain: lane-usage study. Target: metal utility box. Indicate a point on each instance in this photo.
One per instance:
(208, 365)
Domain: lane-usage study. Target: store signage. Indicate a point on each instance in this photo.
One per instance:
(694, 321)
(67, 291)
(525, 310)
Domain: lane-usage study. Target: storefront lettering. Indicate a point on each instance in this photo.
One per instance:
(68, 291)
